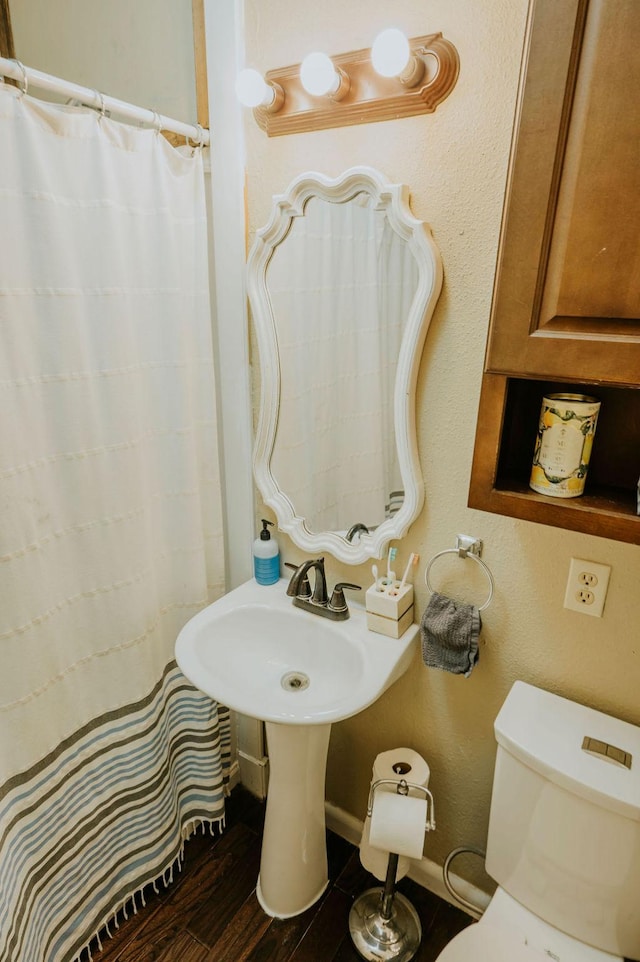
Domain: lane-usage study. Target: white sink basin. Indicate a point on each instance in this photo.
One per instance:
(299, 672)
(255, 652)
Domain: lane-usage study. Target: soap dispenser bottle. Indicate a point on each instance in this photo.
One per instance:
(266, 556)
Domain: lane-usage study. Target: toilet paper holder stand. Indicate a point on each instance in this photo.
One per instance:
(382, 922)
(403, 787)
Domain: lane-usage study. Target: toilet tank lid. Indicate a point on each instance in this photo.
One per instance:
(546, 732)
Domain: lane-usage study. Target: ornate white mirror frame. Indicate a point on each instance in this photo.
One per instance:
(393, 199)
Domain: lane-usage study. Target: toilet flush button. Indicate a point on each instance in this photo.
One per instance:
(619, 756)
(606, 752)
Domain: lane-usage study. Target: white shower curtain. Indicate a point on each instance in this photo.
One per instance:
(110, 519)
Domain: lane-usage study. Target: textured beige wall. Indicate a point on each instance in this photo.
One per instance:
(455, 163)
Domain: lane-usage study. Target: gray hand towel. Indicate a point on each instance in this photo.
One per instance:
(450, 632)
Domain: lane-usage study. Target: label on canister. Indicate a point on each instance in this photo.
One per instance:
(563, 445)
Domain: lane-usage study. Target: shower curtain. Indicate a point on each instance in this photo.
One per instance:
(110, 520)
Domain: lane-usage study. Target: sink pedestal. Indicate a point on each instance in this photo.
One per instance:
(293, 865)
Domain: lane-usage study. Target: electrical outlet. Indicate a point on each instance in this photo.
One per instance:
(587, 587)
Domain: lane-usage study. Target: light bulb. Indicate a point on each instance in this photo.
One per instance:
(390, 52)
(252, 90)
(318, 75)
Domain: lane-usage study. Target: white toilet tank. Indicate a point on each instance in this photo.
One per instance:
(564, 830)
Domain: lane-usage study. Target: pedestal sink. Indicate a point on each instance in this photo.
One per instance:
(298, 672)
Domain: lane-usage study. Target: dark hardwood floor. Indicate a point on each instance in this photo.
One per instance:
(210, 912)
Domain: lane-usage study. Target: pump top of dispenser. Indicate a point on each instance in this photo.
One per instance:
(265, 534)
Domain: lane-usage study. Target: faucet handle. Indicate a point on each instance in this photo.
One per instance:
(338, 602)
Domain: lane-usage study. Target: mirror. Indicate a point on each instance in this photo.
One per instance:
(342, 281)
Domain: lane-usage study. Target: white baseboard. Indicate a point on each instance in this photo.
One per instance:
(426, 873)
(234, 776)
(254, 774)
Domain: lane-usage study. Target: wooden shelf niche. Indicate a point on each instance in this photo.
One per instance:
(505, 439)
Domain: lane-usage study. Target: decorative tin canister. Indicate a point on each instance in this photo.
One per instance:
(563, 445)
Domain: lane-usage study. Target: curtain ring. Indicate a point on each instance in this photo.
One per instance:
(474, 557)
(200, 142)
(24, 86)
(102, 108)
(157, 123)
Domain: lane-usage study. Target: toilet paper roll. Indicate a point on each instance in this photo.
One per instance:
(398, 824)
(401, 763)
(396, 763)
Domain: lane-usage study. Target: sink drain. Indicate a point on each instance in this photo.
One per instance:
(295, 681)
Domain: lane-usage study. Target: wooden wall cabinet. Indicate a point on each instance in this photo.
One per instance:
(566, 305)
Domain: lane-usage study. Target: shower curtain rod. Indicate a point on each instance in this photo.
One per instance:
(27, 76)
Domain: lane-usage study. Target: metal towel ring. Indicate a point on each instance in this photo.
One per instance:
(463, 554)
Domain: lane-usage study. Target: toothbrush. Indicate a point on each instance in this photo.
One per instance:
(391, 575)
(374, 572)
(411, 563)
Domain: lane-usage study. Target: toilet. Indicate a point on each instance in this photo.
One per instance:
(564, 837)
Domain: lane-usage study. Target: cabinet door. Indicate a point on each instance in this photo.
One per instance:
(567, 297)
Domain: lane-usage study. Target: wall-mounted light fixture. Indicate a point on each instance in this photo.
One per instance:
(252, 90)
(321, 78)
(391, 56)
(396, 78)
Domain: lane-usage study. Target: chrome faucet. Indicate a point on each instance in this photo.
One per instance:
(318, 602)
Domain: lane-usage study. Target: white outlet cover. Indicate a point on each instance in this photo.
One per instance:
(577, 583)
